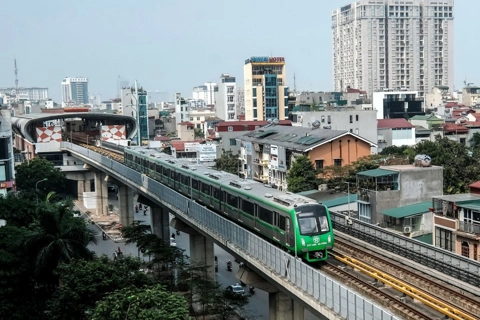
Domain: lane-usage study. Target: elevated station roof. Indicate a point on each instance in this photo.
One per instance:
(25, 124)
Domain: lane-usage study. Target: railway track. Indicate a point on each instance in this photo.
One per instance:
(369, 289)
(111, 154)
(437, 295)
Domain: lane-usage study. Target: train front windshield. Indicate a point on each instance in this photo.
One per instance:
(312, 219)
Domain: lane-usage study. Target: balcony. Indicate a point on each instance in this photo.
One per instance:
(469, 227)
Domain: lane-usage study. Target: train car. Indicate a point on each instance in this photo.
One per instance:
(296, 223)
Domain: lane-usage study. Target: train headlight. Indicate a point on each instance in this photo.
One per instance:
(303, 242)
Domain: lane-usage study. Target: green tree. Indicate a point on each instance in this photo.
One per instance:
(136, 232)
(227, 162)
(302, 176)
(460, 168)
(475, 140)
(86, 282)
(147, 303)
(17, 293)
(199, 133)
(29, 173)
(394, 150)
(19, 210)
(57, 236)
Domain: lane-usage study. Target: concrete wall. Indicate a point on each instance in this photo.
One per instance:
(225, 142)
(347, 151)
(420, 184)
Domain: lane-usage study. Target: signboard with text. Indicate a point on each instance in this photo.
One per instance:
(206, 152)
(265, 60)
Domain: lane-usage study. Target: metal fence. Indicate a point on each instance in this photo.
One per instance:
(282, 266)
(450, 263)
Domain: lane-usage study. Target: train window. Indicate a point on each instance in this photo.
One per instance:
(232, 200)
(152, 165)
(247, 207)
(166, 172)
(195, 184)
(206, 188)
(281, 224)
(172, 174)
(159, 168)
(265, 215)
(216, 193)
(185, 179)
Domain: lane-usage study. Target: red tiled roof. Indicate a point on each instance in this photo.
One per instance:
(394, 124)
(453, 127)
(162, 138)
(475, 185)
(180, 145)
(186, 123)
(352, 90)
(251, 123)
(453, 104)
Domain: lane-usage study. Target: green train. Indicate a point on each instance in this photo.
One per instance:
(296, 223)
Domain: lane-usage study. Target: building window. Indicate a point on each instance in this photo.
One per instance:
(230, 128)
(351, 119)
(337, 162)
(198, 126)
(198, 118)
(356, 117)
(191, 118)
(233, 142)
(319, 164)
(444, 239)
(329, 121)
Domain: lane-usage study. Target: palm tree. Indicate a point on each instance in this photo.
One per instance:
(57, 237)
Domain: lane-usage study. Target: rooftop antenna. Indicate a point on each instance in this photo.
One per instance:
(16, 80)
(294, 84)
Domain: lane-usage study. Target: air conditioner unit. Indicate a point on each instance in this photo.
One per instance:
(407, 229)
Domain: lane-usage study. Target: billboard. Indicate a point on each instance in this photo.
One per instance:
(206, 152)
(113, 132)
(49, 134)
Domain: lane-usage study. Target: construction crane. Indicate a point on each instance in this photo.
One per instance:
(16, 81)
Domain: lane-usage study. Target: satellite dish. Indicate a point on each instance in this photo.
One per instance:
(316, 124)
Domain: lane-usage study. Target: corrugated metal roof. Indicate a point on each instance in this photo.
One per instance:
(407, 211)
(399, 123)
(473, 204)
(341, 200)
(296, 138)
(375, 173)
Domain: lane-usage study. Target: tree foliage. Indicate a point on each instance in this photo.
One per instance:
(302, 176)
(227, 162)
(57, 236)
(37, 169)
(147, 303)
(199, 133)
(19, 210)
(86, 282)
(460, 167)
(394, 150)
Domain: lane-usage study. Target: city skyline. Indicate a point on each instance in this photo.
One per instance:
(79, 38)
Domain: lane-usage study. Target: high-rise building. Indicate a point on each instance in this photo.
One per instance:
(7, 172)
(266, 96)
(393, 44)
(74, 91)
(30, 94)
(225, 98)
(205, 93)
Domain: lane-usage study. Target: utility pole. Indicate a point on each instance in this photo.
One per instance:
(16, 80)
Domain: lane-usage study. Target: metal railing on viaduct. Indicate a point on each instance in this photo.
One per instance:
(322, 295)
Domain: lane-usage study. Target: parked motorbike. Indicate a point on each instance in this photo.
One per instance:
(252, 290)
(104, 236)
(229, 265)
(177, 232)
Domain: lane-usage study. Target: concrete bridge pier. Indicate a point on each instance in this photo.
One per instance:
(101, 193)
(83, 182)
(126, 204)
(159, 218)
(201, 248)
(282, 307)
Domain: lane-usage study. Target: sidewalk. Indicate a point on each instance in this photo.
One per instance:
(110, 224)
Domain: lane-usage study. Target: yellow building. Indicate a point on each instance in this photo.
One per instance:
(266, 95)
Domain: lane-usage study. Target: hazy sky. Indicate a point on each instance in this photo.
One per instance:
(173, 45)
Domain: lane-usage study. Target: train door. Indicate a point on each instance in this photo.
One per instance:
(276, 223)
(288, 232)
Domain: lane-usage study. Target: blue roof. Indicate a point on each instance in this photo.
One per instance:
(341, 200)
